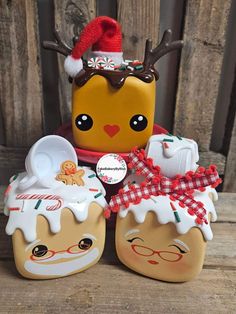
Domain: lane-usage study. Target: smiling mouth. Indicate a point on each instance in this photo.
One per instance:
(152, 262)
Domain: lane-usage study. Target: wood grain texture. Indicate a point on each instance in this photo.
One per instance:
(20, 84)
(200, 69)
(230, 172)
(12, 160)
(140, 21)
(230, 143)
(115, 289)
(207, 158)
(70, 17)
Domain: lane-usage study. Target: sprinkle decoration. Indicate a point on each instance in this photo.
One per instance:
(91, 176)
(42, 197)
(175, 212)
(98, 195)
(13, 178)
(93, 190)
(177, 217)
(180, 138)
(167, 140)
(38, 204)
(166, 146)
(14, 209)
(8, 189)
(178, 189)
(152, 198)
(131, 65)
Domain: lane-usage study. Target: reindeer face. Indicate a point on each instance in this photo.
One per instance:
(75, 248)
(113, 120)
(158, 251)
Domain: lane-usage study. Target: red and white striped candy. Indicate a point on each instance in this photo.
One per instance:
(94, 63)
(48, 197)
(107, 63)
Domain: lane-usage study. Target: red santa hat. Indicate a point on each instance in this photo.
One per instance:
(103, 35)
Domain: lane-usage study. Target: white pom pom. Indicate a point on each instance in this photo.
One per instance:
(73, 66)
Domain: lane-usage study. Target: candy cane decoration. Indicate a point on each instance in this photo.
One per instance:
(48, 197)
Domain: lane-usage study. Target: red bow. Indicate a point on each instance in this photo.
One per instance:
(178, 189)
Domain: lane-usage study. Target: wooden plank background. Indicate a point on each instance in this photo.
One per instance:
(20, 86)
(34, 90)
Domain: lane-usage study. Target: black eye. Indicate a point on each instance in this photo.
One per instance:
(131, 240)
(40, 250)
(138, 122)
(84, 122)
(85, 244)
(181, 251)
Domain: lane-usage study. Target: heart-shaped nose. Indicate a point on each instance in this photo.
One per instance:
(111, 130)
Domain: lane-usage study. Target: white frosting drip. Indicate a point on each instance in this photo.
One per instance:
(76, 198)
(160, 205)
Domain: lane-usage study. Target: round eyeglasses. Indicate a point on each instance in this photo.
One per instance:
(165, 255)
(41, 252)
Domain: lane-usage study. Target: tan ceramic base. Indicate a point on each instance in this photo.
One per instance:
(71, 234)
(152, 235)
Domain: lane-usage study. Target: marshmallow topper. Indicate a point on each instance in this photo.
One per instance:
(113, 100)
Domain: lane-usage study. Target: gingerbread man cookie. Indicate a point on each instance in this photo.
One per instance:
(69, 174)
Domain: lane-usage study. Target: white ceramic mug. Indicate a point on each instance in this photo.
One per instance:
(44, 160)
(180, 156)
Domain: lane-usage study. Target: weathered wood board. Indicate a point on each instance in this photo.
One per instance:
(140, 21)
(20, 80)
(71, 17)
(230, 171)
(208, 158)
(115, 289)
(11, 162)
(200, 69)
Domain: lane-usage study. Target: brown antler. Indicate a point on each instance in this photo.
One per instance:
(165, 46)
(58, 45)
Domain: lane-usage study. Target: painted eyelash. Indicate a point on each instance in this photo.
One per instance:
(131, 240)
(181, 251)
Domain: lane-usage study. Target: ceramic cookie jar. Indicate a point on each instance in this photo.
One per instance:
(163, 223)
(113, 99)
(55, 213)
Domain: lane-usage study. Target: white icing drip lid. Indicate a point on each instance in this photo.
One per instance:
(161, 206)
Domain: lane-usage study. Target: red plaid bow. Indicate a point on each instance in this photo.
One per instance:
(178, 189)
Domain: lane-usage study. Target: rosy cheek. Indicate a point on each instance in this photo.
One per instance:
(181, 266)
